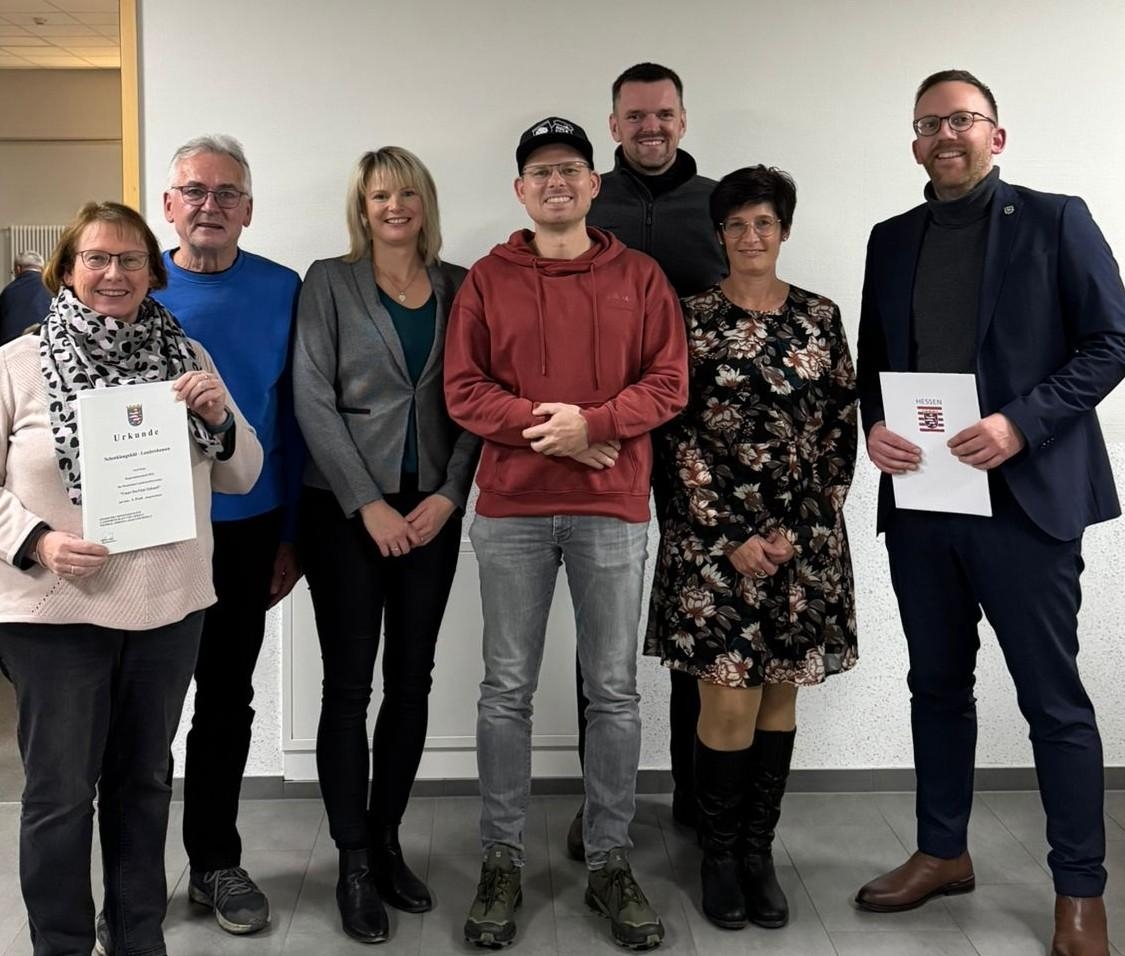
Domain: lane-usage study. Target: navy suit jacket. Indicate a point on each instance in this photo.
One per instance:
(1050, 346)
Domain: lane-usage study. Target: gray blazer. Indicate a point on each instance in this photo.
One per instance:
(352, 392)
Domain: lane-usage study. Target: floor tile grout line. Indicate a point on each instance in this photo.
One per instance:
(1042, 864)
(304, 880)
(812, 901)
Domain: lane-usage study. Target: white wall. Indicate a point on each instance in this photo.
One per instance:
(822, 88)
(43, 180)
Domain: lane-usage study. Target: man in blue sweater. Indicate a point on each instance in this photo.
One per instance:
(241, 307)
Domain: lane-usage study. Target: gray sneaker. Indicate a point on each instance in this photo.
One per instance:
(239, 906)
(491, 921)
(612, 891)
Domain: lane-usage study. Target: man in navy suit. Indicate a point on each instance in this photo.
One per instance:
(1020, 288)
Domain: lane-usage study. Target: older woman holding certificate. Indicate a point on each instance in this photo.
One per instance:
(100, 647)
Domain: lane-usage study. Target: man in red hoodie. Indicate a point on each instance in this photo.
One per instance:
(564, 350)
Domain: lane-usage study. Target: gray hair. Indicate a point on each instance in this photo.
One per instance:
(30, 260)
(218, 144)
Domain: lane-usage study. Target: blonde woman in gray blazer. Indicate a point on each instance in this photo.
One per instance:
(385, 485)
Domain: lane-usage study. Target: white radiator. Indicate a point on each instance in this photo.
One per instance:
(41, 239)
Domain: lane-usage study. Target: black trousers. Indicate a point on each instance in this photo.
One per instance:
(945, 569)
(219, 740)
(356, 594)
(97, 710)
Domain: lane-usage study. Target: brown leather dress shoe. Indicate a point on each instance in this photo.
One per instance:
(1080, 928)
(918, 879)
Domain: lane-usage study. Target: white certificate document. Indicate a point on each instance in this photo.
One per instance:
(136, 467)
(929, 408)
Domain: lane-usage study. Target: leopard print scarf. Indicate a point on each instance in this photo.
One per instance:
(81, 349)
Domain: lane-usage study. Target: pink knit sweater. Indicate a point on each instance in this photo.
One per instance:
(133, 591)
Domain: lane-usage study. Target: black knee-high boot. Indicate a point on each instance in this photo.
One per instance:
(720, 786)
(766, 904)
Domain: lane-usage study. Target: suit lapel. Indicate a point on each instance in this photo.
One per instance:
(364, 277)
(441, 293)
(1003, 226)
(902, 263)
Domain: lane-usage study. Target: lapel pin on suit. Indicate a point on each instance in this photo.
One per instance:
(1009, 209)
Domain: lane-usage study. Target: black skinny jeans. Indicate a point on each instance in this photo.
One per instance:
(98, 708)
(356, 594)
(219, 740)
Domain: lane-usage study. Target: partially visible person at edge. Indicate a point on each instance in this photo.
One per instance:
(242, 308)
(753, 592)
(100, 647)
(1020, 288)
(565, 349)
(385, 487)
(25, 300)
(655, 201)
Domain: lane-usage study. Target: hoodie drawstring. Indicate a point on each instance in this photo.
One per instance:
(542, 321)
(597, 327)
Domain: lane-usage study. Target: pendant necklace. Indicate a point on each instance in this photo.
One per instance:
(400, 294)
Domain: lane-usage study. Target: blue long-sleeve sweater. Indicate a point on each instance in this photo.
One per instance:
(244, 317)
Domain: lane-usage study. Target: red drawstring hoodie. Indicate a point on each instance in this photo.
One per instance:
(604, 332)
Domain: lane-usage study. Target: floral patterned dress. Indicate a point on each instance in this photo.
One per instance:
(767, 441)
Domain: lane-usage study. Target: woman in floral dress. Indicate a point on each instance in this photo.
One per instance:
(753, 591)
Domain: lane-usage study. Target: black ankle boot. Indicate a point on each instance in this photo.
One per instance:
(361, 910)
(766, 904)
(720, 783)
(397, 885)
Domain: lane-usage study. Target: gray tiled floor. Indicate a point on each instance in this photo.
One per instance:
(828, 845)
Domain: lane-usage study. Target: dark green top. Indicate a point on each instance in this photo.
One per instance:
(415, 328)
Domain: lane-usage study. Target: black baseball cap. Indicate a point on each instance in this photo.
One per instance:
(553, 129)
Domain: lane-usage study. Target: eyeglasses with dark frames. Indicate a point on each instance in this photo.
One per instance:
(98, 261)
(959, 122)
(226, 197)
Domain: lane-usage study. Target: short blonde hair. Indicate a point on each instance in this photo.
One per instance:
(66, 251)
(397, 167)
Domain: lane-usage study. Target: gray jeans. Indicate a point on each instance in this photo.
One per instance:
(519, 560)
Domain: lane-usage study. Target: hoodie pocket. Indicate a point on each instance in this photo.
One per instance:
(505, 470)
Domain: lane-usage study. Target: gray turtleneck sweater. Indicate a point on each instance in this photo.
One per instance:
(943, 335)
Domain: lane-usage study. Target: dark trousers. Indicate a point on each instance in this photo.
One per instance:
(945, 569)
(683, 700)
(97, 710)
(219, 740)
(356, 594)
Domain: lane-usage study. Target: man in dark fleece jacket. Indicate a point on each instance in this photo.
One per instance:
(655, 201)
(564, 350)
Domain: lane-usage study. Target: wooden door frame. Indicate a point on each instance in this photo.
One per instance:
(130, 105)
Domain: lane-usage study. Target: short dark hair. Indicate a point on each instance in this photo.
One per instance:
(648, 73)
(752, 185)
(956, 76)
(115, 214)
